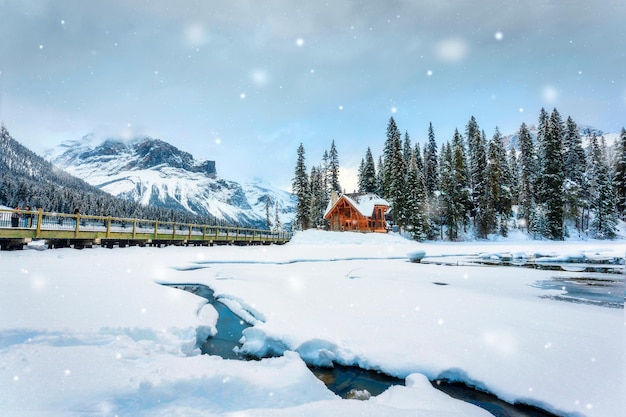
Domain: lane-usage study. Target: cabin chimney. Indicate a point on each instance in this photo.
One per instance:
(333, 197)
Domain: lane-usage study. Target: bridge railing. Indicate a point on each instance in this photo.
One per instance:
(40, 224)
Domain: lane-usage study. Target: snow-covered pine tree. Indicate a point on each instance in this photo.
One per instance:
(277, 224)
(318, 195)
(431, 177)
(504, 201)
(574, 167)
(333, 170)
(461, 181)
(360, 176)
(481, 196)
(604, 221)
(553, 177)
(515, 176)
(407, 151)
(447, 208)
(367, 178)
(380, 177)
(528, 173)
(417, 151)
(268, 222)
(416, 201)
(301, 189)
(619, 174)
(396, 170)
(392, 143)
(431, 163)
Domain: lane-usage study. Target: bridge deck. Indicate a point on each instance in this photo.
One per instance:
(18, 227)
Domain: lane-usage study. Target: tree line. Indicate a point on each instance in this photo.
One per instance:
(545, 183)
(313, 190)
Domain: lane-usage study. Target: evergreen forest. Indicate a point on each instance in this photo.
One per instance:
(550, 181)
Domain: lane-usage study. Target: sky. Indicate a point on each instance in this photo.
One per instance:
(245, 82)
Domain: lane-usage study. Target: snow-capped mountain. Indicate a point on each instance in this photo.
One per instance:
(153, 172)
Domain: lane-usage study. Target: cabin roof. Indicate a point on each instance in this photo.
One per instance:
(364, 203)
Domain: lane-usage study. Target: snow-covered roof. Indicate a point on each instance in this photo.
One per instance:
(364, 203)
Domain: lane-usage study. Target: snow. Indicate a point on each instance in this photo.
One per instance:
(93, 331)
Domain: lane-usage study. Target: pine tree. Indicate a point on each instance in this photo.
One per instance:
(528, 172)
(395, 171)
(619, 174)
(301, 189)
(553, 177)
(502, 203)
(361, 176)
(391, 150)
(431, 163)
(319, 197)
(407, 151)
(515, 176)
(417, 220)
(268, 222)
(277, 224)
(480, 193)
(604, 222)
(380, 177)
(461, 181)
(333, 170)
(447, 208)
(574, 167)
(367, 176)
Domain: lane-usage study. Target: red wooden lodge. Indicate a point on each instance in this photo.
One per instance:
(363, 212)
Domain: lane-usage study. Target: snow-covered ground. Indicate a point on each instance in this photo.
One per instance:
(92, 332)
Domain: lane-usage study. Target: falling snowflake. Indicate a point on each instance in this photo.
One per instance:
(498, 36)
(242, 96)
(549, 94)
(299, 42)
(452, 50)
(429, 73)
(394, 109)
(340, 107)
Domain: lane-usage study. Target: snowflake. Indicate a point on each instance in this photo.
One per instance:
(498, 35)
(300, 42)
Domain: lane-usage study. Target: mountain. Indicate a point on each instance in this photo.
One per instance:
(28, 179)
(153, 172)
(584, 131)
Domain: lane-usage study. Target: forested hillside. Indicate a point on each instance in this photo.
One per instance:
(28, 179)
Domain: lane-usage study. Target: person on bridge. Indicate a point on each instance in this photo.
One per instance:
(15, 217)
(27, 217)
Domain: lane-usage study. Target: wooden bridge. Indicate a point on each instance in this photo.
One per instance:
(19, 227)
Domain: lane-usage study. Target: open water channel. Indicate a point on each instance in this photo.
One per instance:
(346, 381)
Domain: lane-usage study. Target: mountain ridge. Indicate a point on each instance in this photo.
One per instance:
(153, 172)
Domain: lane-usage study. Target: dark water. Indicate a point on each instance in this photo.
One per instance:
(346, 381)
(587, 289)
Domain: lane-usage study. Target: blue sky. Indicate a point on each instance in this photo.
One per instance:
(244, 82)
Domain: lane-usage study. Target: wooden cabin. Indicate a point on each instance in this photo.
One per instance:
(363, 212)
